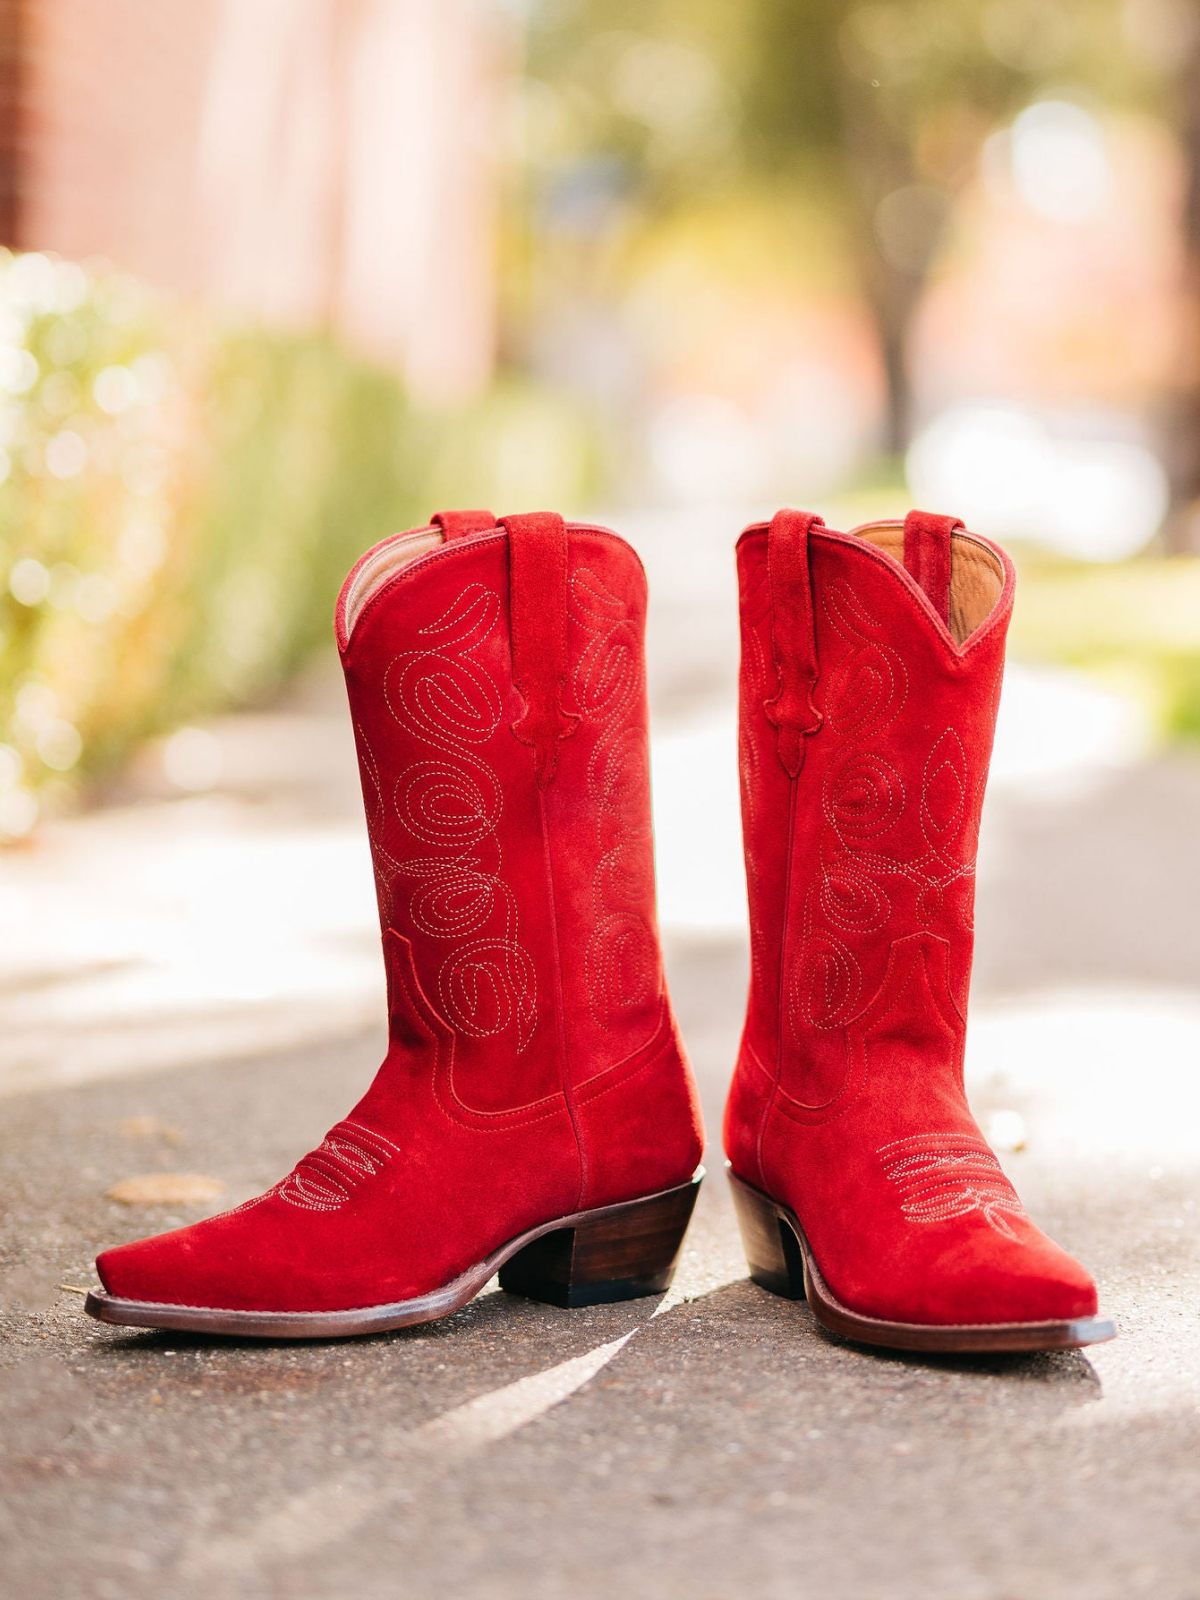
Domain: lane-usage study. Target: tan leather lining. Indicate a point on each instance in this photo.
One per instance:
(381, 567)
(976, 577)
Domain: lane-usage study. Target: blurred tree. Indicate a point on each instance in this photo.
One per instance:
(885, 107)
(879, 110)
(1167, 33)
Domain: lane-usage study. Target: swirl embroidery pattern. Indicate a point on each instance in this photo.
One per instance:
(941, 1176)
(622, 954)
(755, 604)
(450, 806)
(863, 798)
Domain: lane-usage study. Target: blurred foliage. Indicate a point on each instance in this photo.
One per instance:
(691, 94)
(874, 114)
(178, 507)
(1135, 624)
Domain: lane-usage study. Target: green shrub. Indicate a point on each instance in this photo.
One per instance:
(1135, 623)
(178, 505)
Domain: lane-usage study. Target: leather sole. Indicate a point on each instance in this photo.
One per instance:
(617, 1252)
(781, 1260)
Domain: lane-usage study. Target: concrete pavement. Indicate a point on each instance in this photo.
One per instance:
(713, 1444)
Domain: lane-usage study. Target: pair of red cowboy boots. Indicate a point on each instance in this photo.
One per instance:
(535, 1114)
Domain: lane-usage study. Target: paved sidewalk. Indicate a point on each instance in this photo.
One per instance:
(712, 1445)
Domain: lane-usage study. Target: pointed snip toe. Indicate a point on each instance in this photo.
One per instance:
(781, 1260)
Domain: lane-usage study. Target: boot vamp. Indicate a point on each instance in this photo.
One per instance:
(361, 1221)
(921, 1224)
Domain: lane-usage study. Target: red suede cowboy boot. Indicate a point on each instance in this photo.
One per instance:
(870, 677)
(535, 1114)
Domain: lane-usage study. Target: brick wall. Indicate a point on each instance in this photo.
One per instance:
(307, 163)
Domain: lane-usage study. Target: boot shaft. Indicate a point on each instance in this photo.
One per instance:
(870, 677)
(497, 688)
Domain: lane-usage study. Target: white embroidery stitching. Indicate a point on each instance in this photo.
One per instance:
(863, 798)
(621, 961)
(755, 602)
(453, 803)
(325, 1178)
(942, 1176)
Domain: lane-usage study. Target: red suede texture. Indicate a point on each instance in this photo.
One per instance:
(847, 1102)
(540, 579)
(793, 641)
(927, 555)
(462, 524)
(533, 1067)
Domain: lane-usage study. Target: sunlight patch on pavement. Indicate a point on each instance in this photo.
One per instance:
(1070, 1059)
(698, 828)
(166, 935)
(1059, 737)
(331, 1511)
(494, 1416)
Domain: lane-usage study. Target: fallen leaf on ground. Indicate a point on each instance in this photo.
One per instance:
(148, 1127)
(166, 1189)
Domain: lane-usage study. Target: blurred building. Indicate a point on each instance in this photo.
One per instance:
(306, 163)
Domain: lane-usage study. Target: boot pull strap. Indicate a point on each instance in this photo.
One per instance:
(927, 556)
(537, 604)
(793, 635)
(458, 524)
